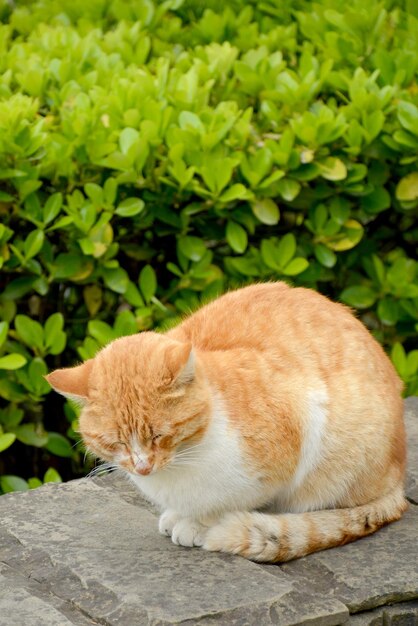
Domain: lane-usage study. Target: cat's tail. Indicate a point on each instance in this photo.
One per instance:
(277, 538)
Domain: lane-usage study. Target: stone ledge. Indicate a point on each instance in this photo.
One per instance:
(88, 552)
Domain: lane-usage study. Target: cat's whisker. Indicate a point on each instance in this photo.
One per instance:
(103, 468)
(197, 445)
(186, 453)
(187, 456)
(185, 462)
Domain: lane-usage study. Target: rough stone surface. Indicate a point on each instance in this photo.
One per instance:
(403, 614)
(89, 552)
(377, 570)
(411, 423)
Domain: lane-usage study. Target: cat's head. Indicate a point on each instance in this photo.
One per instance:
(145, 400)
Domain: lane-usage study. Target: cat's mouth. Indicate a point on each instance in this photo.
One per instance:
(144, 471)
(147, 470)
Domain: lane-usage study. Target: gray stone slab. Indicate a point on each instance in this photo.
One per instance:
(404, 614)
(411, 423)
(18, 607)
(377, 570)
(102, 554)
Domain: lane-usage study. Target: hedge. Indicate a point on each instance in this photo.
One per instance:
(154, 154)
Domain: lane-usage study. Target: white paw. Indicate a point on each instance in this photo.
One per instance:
(187, 532)
(167, 521)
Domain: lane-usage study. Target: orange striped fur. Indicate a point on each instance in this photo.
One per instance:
(267, 424)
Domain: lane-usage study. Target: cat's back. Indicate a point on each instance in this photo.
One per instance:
(258, 315)
(297, 326)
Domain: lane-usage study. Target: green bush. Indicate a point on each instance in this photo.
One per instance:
(153, 154)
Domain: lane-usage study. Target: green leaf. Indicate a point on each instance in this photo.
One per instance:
(51, 476)
(398, 357)
(359, 296)
(95, 193)
(110, 189)
(377, 201)
(388, 311)
(217, 172)
(269, 254)
(18, 288)
(236, 192)
(6, 440)
(408, 116)
(101, 331)
(62, 222)
(132, 295)
(116, 279)
(189, 120)
(37, 371)
(5, 197)
(407, 188)
(288, 189)
(128, 138)
(286, 249)
(4, 329)
(93, 297)
(11, 416)
(236, 236)
(29, 331)
(412, 363)
(247, 267)
(67, 265)
(53, 332)
(349, 236)
(379, 269)
(130, 207)
(402, 272)
(332, 168)
(9, 483)
(31, 435)
(59, 445)
(148, 282)
(193, 248)
(296, 266)
(325, 256)
(266, 210)
(12, 361)
(125, 324)
(52, 208)
(33, 243)
(34, 483)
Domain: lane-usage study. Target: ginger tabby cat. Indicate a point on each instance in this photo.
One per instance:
(267, 424)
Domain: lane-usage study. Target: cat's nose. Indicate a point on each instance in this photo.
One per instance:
(143, 466)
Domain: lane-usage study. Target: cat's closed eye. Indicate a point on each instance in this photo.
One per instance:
(117, 446)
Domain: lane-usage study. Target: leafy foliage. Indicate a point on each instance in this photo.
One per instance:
(153, 154)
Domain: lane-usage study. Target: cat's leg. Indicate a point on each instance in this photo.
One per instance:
(278, 538)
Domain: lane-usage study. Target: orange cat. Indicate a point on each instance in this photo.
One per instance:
(268, 399)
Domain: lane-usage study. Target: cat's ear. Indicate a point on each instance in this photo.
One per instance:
(72, 382)
(181, 363)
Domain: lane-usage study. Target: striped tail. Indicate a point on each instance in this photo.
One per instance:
(277, 538)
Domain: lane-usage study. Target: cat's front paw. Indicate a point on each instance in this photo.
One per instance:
(188, 533)
(167, 521)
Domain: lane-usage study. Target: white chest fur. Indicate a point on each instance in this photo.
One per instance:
(214, 479)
